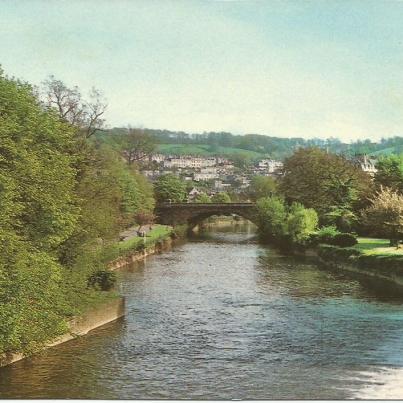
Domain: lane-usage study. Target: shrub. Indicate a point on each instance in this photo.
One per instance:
(272, 218)
(344, 240)
(336, 254)
(103, 280)
(221, 197)
(326, 234)
(301, 222)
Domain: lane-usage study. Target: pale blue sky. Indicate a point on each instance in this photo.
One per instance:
(285, 68)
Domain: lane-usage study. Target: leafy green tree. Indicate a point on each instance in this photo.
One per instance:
(301, 222)
(241, 160)
(385, 215)
(202, 198)
(221, 197)
(390, 172)
(262, 186)
(63, 199)
(38, 212)
(169, 188)
(325, 182)
(136, 193)
(272, 217)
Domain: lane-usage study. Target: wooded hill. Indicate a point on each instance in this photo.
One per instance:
(254, 145)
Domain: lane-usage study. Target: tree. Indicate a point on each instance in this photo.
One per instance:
(202, 198)
(241, 160)
(301, 222)
(143, 218)
(86, 115)
(385, 215)
(169, 188)
(137, 145)
(136, 192)
(38, 212)
(262, 186)
(272, 217)
(325, 182)
(390, 172)
(221, 197)
(62, 202)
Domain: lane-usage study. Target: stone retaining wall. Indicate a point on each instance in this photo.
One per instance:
(123, 261)
(81, 325)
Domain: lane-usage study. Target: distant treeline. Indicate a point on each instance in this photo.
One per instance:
(274, 147)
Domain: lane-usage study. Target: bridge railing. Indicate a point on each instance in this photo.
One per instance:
(205, 204)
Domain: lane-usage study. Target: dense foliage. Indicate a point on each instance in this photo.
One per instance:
(326, 182)
(202, 198)
(390, 172)
(262, 186)
(169, 188)
(385, 215)
(221, 197)
(272, 217)
(285, 225)
(63, 200)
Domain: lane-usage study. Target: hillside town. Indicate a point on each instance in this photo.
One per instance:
(214, 174)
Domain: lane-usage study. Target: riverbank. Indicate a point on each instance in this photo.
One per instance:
(133, 249)
(360, 260)
(157, 240)
(78, 326)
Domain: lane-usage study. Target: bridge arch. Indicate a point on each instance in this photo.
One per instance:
(194, 213)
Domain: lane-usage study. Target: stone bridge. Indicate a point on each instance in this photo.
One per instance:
(193, 213)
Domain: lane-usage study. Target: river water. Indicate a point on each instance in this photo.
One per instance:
(220, 317)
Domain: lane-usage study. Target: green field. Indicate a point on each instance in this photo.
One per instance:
(159, 232)
(376, 246)
(205, 150)
(388, 151)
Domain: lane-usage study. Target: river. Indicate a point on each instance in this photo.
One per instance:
(220, 317)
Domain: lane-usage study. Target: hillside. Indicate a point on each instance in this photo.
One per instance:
(206, 150)
(253, 146)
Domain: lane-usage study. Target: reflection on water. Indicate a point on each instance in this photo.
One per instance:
(222, 317)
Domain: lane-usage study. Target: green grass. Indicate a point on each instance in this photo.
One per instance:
(205, 150)
(388, 151)
(93, 298)
(159, 232)
(377, 246)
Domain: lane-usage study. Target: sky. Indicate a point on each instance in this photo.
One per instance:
(280, 68)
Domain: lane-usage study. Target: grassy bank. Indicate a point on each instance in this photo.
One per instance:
(370, 256)
(376, 246)
(158, 233)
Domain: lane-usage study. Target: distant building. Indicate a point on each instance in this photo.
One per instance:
(270, 166)
(204, 176)
(157, 158)
(189, 162)
(367, 164)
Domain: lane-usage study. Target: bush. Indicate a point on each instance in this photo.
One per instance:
(326, 234)
(301, 222)
(344, 240)
(221, 197)
(272, 218)
(103, 280)
(336, 254)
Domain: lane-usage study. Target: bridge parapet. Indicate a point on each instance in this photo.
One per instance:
(193, 213)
